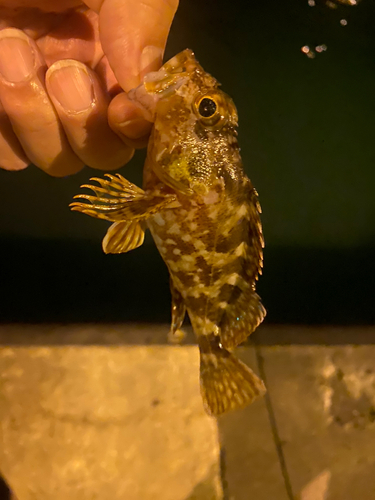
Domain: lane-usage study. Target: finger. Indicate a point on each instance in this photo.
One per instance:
(42, 5)
(12, 156)
(34, 17)
(25, 101)
(124, 117)
(107, 77)
(127, 120)
(75, 37)
(82, 107)
(133, 36)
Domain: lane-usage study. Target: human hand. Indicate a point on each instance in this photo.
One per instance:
(61, 100)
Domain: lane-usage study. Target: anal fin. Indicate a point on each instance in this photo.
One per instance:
(123, 236)
(226, 382)
(178, 314)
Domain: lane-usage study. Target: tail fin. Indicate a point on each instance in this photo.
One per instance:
(226, 382)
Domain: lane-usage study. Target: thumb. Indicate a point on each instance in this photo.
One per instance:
(133, 35)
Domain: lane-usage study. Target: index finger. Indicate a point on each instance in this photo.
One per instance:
(133, 35)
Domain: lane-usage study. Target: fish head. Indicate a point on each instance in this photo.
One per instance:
(194, 133)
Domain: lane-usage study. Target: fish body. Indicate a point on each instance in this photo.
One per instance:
(204, 216)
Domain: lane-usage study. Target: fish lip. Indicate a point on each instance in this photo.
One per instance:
(160, 84)
(172, 74)
(146, 98)
(165, 86)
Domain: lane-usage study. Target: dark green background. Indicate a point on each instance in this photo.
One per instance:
(307, 139)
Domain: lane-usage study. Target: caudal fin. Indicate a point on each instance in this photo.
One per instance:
(226, 382)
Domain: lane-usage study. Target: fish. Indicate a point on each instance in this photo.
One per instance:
(204, 216)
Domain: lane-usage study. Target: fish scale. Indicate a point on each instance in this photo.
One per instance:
(204, 216)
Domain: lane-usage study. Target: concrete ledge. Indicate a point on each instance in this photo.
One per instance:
(106, 423)
(323, 399)
(117, 414)
(156, 334)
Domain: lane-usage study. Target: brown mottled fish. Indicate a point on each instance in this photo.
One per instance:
(203, 213)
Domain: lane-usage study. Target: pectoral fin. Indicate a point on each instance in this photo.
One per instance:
(123, 236)
(119, 200)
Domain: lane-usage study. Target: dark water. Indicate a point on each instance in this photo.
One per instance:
(73, 281)
(306, 133)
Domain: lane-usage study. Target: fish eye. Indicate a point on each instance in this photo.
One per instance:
(207, 107)
(211, 109)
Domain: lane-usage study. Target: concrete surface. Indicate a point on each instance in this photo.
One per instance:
(251, 468)
(106, 423)
(120, 420)
(324, 403)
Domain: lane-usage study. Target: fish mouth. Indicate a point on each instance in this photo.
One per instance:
(164, 82)
(171, 74)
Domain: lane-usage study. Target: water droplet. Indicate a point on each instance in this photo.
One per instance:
(306, 50)
(311, 3)
(331, 5)
(343, 22)
(321, 48)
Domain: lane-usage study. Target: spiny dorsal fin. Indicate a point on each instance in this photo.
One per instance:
(123, 236)
(243, 310)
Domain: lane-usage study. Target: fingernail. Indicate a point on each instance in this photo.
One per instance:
(70, 84)
(17, 60)
(150, 60)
